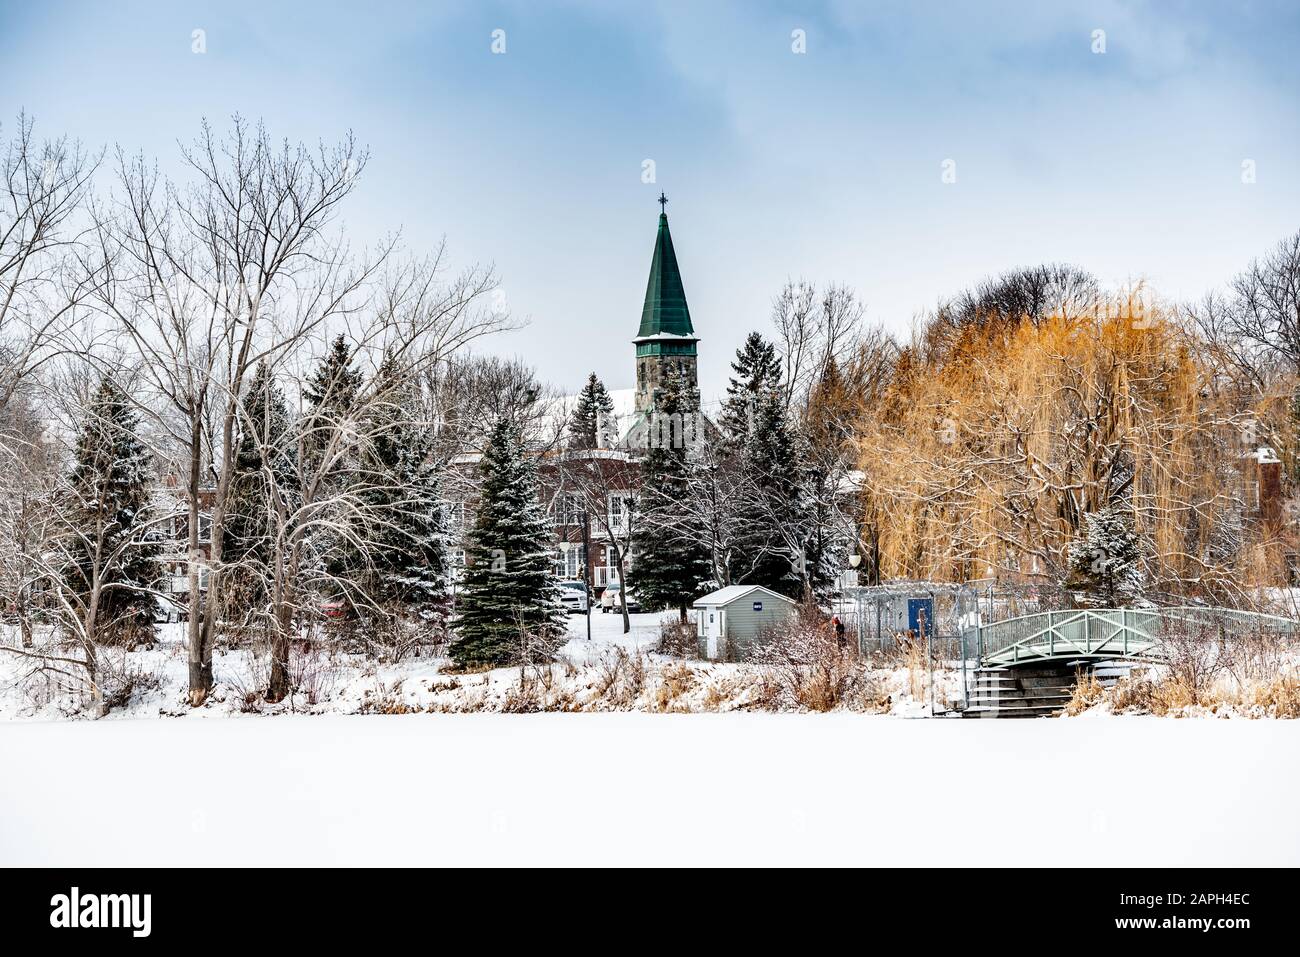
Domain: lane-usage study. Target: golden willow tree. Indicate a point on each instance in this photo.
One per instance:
(998, 435)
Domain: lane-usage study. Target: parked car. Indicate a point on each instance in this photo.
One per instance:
(334, 610)
(573, 596)
(609, 600)
(168, 611)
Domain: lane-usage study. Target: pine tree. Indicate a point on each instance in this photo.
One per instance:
(671, 563)
(1105, 560)
(405, 571)
(335, 384)
(772, 514)
(265, 470)
(331, 395)
(592, 414)
(756, 371)
(108, 511)
(510, 596)
(825, 449)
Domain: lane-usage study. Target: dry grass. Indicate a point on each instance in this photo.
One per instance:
(917, 675)
(1205, 672)
(1087, 693)
(387, 698)
(675, 680)
(1278, 698)
(1171, 695)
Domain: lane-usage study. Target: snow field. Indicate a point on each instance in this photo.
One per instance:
(740, 789)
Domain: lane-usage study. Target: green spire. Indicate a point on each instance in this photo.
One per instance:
(665, 310)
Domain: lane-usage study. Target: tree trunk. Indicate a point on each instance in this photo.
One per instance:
(216, 537)
(89, 626)
(24, 618)
(622, 589)
(278, 687)
(200, 663)
(288, 557)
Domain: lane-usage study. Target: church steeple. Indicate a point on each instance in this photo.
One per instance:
(666, 338)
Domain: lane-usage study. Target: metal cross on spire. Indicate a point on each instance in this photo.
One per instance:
(663, 203)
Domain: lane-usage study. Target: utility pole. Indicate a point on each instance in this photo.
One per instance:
(586, 564)
(922, 623)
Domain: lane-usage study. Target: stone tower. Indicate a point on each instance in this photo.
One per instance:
(666, 339)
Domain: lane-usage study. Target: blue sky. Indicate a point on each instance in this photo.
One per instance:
(824, 165)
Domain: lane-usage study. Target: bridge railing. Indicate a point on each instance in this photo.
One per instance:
(1108, 632)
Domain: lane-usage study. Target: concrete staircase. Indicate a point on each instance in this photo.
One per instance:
(1020, 692)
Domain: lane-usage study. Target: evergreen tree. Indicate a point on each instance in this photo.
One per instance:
(756, 371)
(335, 384)
(1105, 560)
(671, 562)
(108, 510)
(773, 547)
(826, 451)
(331, 395)
(405, 570)
(265, 471)
(592, 412)
(510, 595)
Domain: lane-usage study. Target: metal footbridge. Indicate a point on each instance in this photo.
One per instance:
(1094, 634)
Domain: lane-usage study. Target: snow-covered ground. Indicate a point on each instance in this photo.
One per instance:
(607, 631)
(610, 671)
(331, 786)
(333, 682)
(743, 789)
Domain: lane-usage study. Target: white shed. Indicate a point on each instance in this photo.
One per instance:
(729, 619)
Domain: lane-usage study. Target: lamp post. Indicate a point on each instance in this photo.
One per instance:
(586, 564)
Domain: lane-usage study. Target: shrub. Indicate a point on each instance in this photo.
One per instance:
(678, 639)
(620, 678)
(803, 666)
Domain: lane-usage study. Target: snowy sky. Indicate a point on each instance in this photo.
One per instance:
(825, 165)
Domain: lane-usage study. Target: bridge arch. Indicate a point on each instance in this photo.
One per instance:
(1101, 633)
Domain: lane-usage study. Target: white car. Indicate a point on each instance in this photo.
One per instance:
(573, 596)
(609, 600)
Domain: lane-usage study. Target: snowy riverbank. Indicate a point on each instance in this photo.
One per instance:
(610, 671)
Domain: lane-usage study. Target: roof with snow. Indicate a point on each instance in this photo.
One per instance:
(1264, 455)
(725, 596)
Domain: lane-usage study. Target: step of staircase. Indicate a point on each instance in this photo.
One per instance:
(1024, 692)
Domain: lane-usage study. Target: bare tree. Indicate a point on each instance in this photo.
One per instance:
(813, 330)
(43, 187)
(840, 325)
(28, 473)
(602, 481)
(1253, 329)
(797, 324)
(205, 281)
(416, 321)
(1267, 307)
